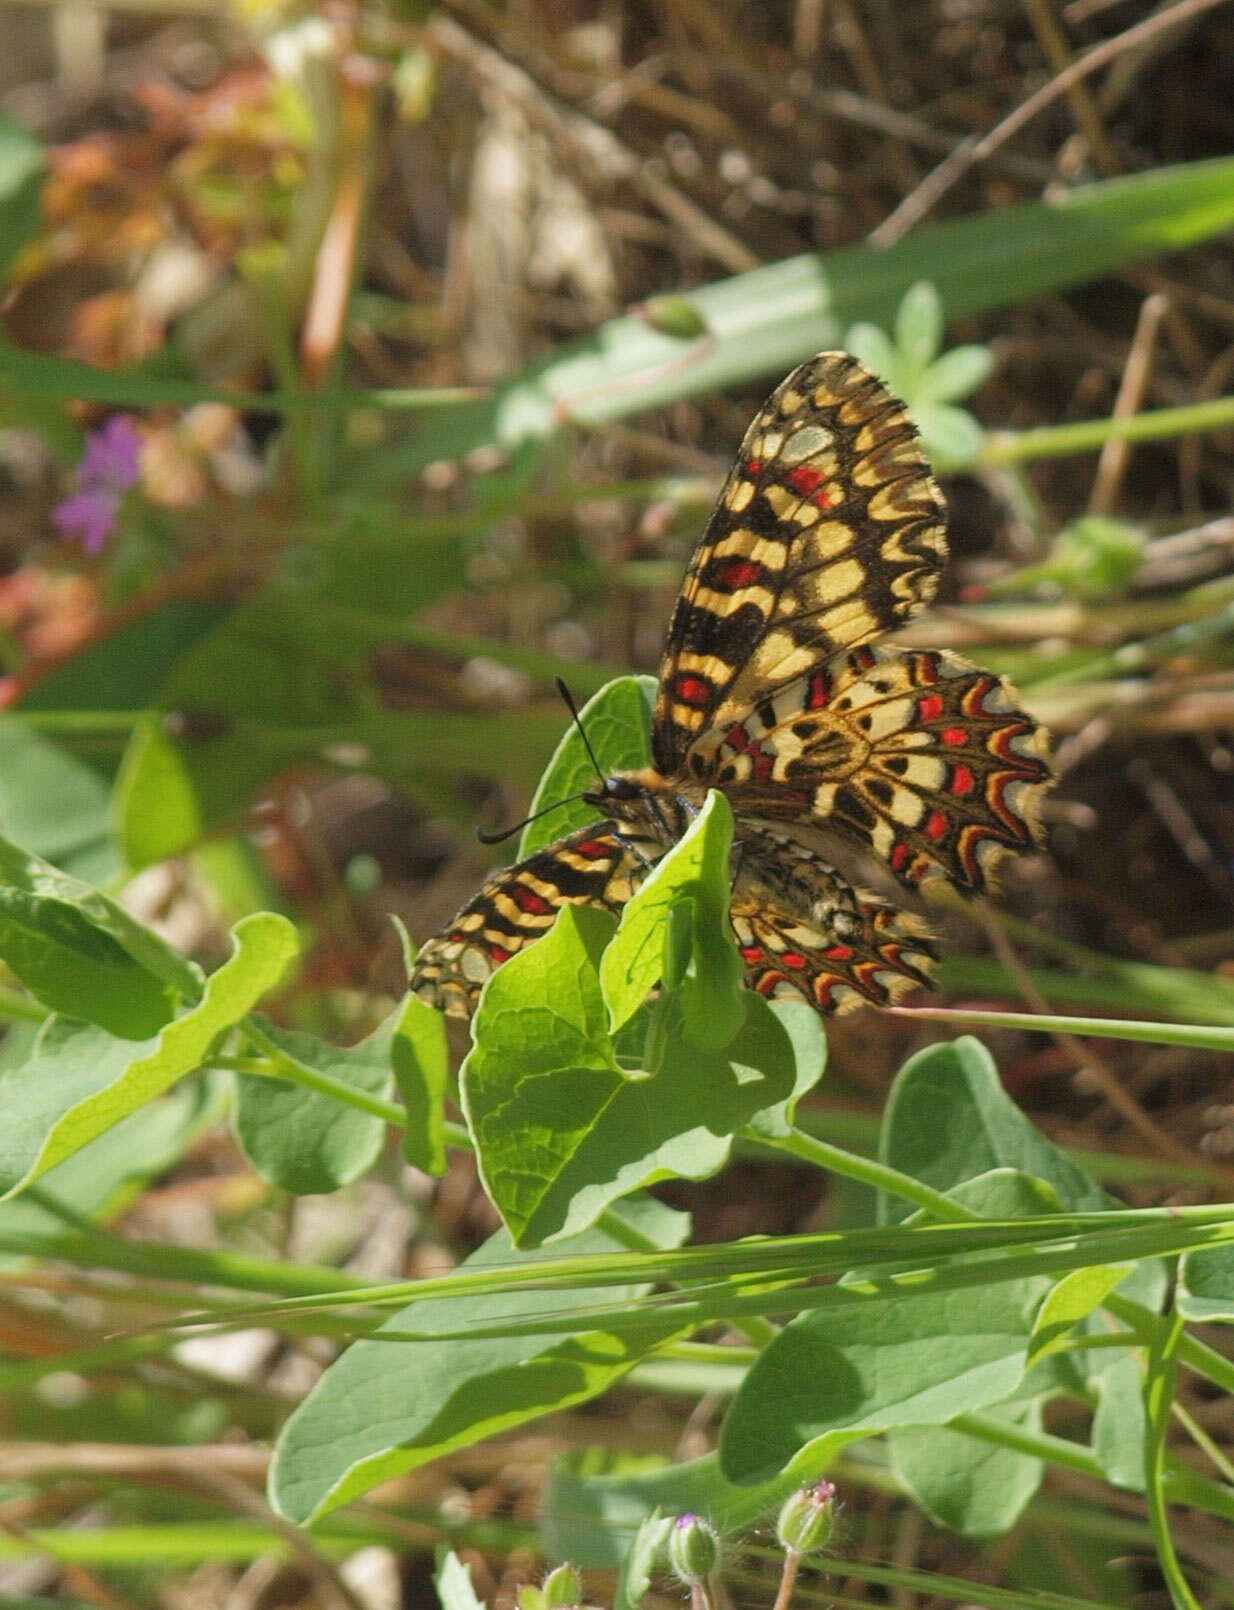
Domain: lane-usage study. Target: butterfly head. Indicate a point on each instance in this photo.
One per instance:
(644, 804)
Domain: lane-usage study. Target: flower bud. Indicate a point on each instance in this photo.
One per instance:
(692, 1549)
(673, 315)
(530, 1598)
(807, 1518)
(562, 1589)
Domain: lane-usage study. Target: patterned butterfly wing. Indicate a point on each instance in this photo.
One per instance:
(829, 532)
(802, 929)
(591, 866)
(919, 759)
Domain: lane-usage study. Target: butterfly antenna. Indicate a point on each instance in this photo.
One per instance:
(578, 722)
(509, 832)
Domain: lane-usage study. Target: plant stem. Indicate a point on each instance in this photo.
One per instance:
(787, 1578)
(1087, 435)
(1209, 1037)
(1196, 1355)
(1158, 1399)
(279, 1064)
(15, 1005)
(867, 1171)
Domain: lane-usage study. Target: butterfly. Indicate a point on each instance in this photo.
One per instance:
(846, 763)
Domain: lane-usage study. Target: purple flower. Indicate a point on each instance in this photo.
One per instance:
(112, 455)
(109, 466)
(88, 516)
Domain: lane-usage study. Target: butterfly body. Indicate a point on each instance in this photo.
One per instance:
(846, 762)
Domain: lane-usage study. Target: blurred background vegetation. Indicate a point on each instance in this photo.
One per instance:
(364, 366)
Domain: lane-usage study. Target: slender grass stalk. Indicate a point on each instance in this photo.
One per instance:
(1158, 1399)
(1089, 435)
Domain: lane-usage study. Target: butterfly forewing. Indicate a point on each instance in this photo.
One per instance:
(829, 532)
(517, 906)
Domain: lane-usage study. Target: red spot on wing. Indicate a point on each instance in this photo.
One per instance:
(927, 669)
(930, 708)
(528, 900)
(735, 573)
(752, 468)
(936, 825)
(806, 480)
(953, 735)
(692, 690)
(840, 953)
(819, 691)
(737, 738)
(752, 953)
(594, 850)
(961, 780)
(792, 958)
(899, 854)
(499, 955)
(761, 764)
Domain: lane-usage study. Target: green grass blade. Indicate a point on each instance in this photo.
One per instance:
(764, 322)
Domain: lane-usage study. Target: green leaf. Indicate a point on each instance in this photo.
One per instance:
(952, 438)
(54, 803)
(697, 869)
(1206, 1285)
(918, 333)
(121, 670)
(158, 813)
(762, 323)
(384, 1408)
(617, 721)
(561, 1130)
(1074, 1297)
(963, 1483)
(304, 1140)
(102, 1178)
(881, 1361)
(805, 1030)
(1118, 1423)
(420, 1057)
(954, 375)
(23, 164)
(79, 1081)
(948, 1119)
(82, 954)
(453, 1584)
(875, 349)
(641, 1562)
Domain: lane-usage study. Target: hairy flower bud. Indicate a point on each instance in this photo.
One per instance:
(807, 1518)
(692, 1549)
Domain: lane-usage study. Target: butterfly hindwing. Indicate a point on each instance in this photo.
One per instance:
(802, 929)
(917, 758)
(829, 532)
(516, 907)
